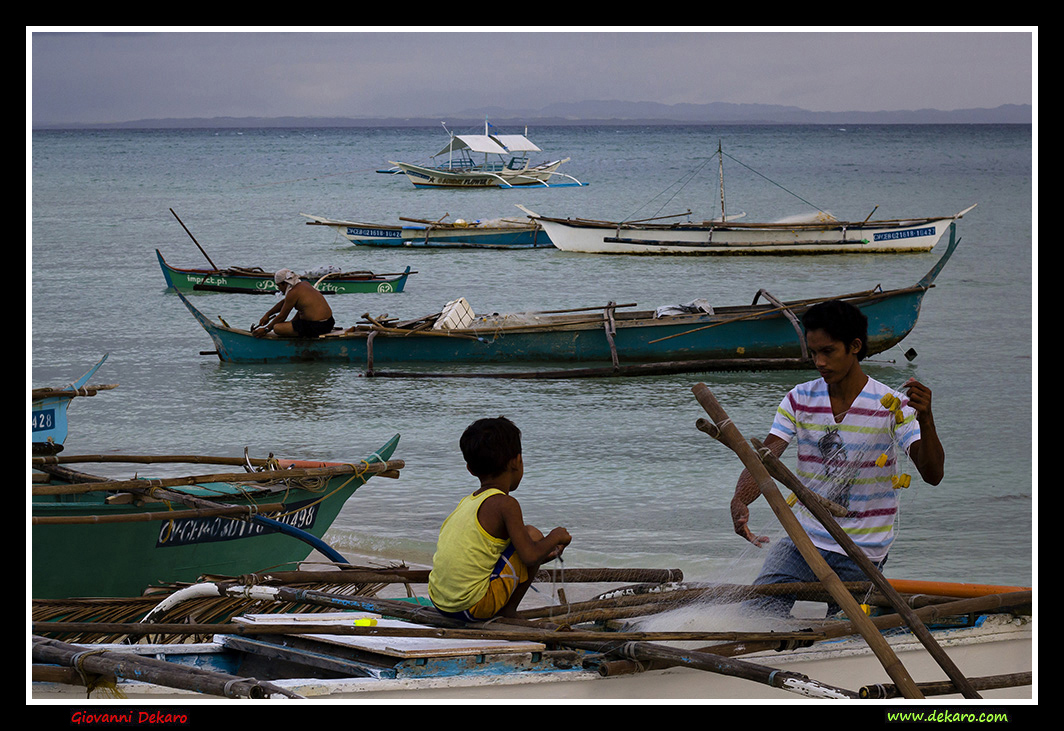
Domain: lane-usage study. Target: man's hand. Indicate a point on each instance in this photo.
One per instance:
(740, 513)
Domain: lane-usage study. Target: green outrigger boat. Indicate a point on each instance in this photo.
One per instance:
(99, 537)
(241, 280)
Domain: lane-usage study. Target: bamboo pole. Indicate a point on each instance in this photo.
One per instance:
(622, 371)
(638, 650)
(151, 670)
(943, 687)
(149, 459)
(515, 634)
(990, 603)
(421, 576)
(194, 240)
(729, 435)
(780, 472)
(238, 510)
(37, 394)
(373, 468)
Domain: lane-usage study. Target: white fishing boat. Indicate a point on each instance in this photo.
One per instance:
(817, 233)
(505, 164)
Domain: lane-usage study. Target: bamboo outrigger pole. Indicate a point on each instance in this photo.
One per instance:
(728, 434)
(778, 470)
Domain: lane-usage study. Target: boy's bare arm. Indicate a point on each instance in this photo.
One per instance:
(531, 552)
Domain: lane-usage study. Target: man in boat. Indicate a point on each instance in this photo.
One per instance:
(486, 557)
(313, 315)
(851, 432)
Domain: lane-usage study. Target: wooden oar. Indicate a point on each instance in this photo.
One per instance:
(778, 470)
(728, 434)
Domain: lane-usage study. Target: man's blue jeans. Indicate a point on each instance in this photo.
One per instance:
(784, 565)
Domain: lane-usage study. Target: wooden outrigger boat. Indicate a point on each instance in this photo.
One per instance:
(727, 235)
(94, 536)
(504, 233)
(505, 164)
(241, 280)
(363, 647)
(734, 237)
(48, 417)
(368, 648)
(758, 336)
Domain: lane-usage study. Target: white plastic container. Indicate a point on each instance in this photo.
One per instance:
(456, 313)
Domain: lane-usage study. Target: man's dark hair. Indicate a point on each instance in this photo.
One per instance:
(841, 320)
(488, 445)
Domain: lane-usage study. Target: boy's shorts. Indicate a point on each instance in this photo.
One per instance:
(509, 571)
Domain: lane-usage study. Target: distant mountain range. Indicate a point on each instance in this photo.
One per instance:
(602, 113)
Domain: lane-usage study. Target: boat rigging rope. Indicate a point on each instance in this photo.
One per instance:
(690, 176)
(803, 200)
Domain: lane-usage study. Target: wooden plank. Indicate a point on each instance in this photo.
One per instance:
(398, 647)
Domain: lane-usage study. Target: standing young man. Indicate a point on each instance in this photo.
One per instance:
(848, 443)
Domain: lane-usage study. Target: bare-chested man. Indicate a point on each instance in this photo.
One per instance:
(313, 315)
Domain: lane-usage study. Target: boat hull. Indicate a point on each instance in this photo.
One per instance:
(450, 236)
(211, 280)
(769, 336)
(754, 337)
(122, 559)
(598, 237)
(384, 668)
(48, 418)
(423, 176)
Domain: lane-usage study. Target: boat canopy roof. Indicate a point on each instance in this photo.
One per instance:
(491, 144)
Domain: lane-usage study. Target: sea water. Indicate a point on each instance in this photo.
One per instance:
(616, 461)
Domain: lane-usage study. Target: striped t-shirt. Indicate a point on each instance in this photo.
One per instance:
(838, 459)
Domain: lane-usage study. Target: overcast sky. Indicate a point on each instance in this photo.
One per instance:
(91, 76)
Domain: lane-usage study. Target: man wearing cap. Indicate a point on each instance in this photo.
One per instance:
(313, 315)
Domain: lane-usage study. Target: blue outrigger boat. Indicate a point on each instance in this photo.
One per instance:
(752, 337)
(48, 418)
(503, 233)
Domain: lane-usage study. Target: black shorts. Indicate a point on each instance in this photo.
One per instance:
(312, 328)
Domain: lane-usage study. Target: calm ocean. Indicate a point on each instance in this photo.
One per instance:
(618, 462)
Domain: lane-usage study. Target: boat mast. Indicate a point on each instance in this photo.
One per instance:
(720, 155)
(450, 147)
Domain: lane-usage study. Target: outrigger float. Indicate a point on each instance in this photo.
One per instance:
(901, 640)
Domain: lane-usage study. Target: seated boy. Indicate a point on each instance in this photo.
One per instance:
(486, 556)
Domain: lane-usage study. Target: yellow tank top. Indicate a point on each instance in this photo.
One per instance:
(465, 555)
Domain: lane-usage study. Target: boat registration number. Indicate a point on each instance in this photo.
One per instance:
(910, 233)
(188, 531)
(43, 420)
(377, 233)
